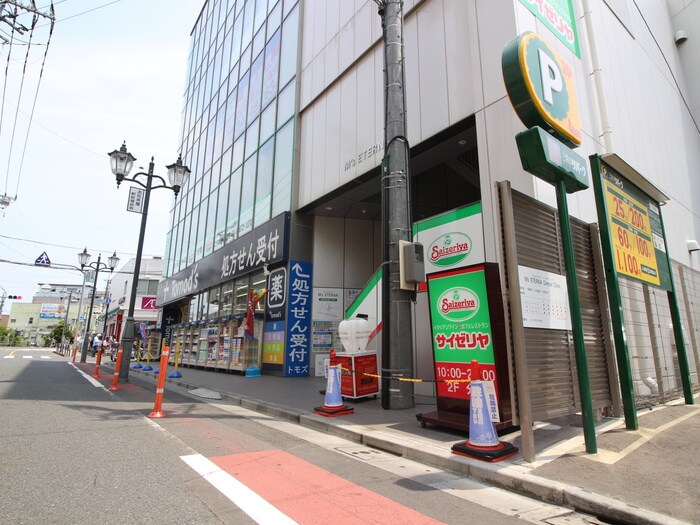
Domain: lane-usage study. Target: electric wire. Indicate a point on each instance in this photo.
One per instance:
(4, 92)
(19, 97)
(36, 96)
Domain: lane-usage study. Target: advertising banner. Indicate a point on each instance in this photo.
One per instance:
(52, 311)
(461, 329)
(558, 16)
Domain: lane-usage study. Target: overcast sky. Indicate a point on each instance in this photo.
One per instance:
(115, 71)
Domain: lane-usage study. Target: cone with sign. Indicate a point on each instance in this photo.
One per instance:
(333, 402)
(483, 441)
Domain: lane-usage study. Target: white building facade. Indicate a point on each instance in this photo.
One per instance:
(283, 128)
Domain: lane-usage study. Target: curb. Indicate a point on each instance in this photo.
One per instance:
(508, 477)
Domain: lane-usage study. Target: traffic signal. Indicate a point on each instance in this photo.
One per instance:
(14, 296)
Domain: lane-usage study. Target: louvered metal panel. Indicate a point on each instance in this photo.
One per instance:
(550, 353)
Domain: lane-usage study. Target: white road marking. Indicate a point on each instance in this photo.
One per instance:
(8, 357)
(46, 357)
(244, 498)
(28, 356)
(92, 380)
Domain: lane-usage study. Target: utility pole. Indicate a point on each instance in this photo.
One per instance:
(397, 330)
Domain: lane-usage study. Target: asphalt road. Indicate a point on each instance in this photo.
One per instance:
(71, 452)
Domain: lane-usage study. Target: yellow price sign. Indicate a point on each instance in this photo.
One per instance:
(631, 233)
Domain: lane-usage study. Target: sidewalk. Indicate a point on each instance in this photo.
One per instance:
(648, 476)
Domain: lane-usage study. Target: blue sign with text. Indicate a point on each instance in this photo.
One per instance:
(298, 348)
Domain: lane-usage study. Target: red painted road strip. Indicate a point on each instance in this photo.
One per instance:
(308, 494)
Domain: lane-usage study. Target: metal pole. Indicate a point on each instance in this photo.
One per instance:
(83, 352)
(80, 304)
(107, 301)
(576, 321)
(127, 339)
(397, 331)
(65, 321)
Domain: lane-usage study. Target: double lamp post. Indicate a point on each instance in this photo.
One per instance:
(84, 258)
(122, 161)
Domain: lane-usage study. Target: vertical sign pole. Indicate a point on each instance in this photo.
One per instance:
(576, 321)
(624, 368)
(678, 328)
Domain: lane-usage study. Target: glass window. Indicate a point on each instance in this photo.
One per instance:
(214, 302)
(263, 186)
(248, 23)
(257, 282)
(259, 42)
(267, 123)
(226, 299)
(237, 155)
(288, 62)
(282, 182)
(251, 137)
(288, 4)
(191, 235)
(220, 235)
(201, 228)
(233, 205)
(260, 14)
(229, 121)
(152, 287)
(272, 57)
(193, 308)
(275, 18)
(256, 75)
(285, 104)
(241, 105)
(247, 195)
(203, 304)
(241, 296)
(211, 224)
(236, 40)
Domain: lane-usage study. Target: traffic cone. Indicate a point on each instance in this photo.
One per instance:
(483, 440)
(333, 402)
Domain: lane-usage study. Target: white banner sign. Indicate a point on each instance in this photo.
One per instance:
(136, 199)
(545, 299)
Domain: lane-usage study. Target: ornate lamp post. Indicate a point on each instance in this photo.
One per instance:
(122, 161)
(84, 258)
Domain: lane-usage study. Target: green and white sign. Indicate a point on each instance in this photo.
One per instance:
(461, 329)
(453, 239)
(558, 16)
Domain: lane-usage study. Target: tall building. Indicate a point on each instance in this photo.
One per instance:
(283, 129)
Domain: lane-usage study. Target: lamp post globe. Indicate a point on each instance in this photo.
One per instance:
(121, 162)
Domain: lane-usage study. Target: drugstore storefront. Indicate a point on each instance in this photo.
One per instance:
(245, 306)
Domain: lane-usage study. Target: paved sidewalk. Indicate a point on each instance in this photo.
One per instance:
(648, 476)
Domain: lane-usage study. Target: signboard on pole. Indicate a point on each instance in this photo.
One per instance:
(634, 230)
(136, 199)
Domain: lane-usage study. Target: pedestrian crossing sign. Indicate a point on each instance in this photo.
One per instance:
(43, 260)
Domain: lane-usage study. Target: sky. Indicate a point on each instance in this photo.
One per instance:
(114, 72)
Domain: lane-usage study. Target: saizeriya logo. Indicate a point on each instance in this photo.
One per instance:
(449, 249)
(458, 304)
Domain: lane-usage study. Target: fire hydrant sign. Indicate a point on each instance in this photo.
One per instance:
(461, 329)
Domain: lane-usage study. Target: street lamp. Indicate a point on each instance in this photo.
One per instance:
(121, 162)
(84, 258)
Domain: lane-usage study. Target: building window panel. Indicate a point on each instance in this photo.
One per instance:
(220, 235)
(263, 185)
(267, 122)
(211, 223)
(259, 42)
(233, 205)
(247, 195)
(275, 18)
(282, 181)
(251, 138)
(254, 93)
(248, 23)
(201, 229)
(237, 156)
(285, 104)
(288, 62)
(241, 105)
(271, 71)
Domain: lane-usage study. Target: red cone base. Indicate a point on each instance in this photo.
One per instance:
(342, 410)
(493, 454)
(155, 414)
